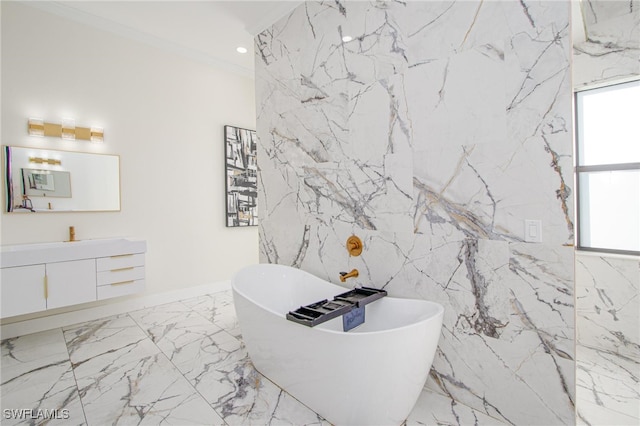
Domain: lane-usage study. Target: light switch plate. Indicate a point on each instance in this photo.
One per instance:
(532, 231)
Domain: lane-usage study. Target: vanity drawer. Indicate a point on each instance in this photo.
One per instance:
(119, 262)
(120, 289)
(120, 275)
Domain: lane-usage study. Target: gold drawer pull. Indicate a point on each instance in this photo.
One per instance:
(46, 287)
(124, 282)
(121, 255)
(123, 269)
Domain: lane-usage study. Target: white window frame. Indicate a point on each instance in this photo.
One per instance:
(580, 169)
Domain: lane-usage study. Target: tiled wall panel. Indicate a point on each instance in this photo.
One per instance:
(433, 135)
(611, 50)
(608, 305)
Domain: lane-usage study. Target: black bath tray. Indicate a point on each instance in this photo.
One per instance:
(325, 310)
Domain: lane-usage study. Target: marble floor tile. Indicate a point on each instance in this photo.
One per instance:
(184, 363)
(214, 350)
(243, 396)
(435, 409)
(102, 337)
(144, 391)
(37, 376)
(173, 326)
(123, 377)
(219, 309)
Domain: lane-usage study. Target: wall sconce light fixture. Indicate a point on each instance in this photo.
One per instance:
(66, 130)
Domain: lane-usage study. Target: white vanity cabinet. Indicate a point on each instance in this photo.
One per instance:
(36, 277)
(120, 275)
(70, 283)
(33, 288)
(23, 290)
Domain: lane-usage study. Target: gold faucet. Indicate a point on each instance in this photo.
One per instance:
(352, 274)
(72, 233)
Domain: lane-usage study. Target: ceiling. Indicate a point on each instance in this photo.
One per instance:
(204, 30)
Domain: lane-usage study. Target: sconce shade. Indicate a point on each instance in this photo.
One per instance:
(68, 129)
(36, 127)
(97, 134)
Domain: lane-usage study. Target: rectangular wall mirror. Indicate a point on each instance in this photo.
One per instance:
(41, 180)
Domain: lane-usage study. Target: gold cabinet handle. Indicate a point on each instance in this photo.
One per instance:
(121, 255)
(123, 282)
(46, 287)
(123, 269)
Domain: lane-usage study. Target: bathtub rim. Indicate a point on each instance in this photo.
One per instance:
(435, 317)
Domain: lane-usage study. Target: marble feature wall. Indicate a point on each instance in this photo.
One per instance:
(608, 286)
(433, 135)
(611, 50)
(608, 337)
(608, 304)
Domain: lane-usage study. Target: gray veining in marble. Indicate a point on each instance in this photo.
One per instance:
(170, 364)
(608, 332)
(433, 135)
(37, 375)
(611, 50)
(122, 375)
(608, 304)
(608, 388)
(608, 287)
(178, 363)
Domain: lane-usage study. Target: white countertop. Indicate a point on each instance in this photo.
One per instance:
(37, 253)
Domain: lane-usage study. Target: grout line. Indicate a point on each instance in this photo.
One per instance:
(75, 378)
(175, 367)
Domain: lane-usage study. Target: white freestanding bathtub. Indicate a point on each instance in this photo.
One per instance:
(371, 375)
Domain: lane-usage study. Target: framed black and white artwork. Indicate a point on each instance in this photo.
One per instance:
(242, 178)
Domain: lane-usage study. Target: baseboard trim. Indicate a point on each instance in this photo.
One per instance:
(125, 305)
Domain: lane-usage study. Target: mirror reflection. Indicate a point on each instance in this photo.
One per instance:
(46, 183)
(39, 180)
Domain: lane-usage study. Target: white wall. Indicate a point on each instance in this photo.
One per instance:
(162, 113)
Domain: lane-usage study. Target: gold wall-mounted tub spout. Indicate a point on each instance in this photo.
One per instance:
(354, 245)
(345, 275)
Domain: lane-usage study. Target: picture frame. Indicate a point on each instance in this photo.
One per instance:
(241, 171)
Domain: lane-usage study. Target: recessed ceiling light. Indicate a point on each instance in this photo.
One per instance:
(241, 49)
(347, 39)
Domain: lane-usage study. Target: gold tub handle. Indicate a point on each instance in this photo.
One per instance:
(354, 245)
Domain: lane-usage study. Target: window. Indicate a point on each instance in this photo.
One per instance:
(608, 168)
